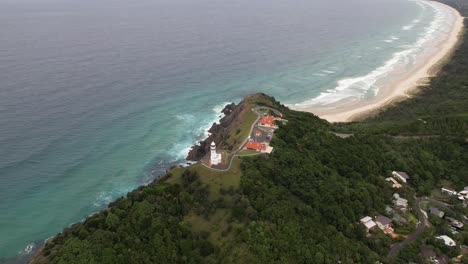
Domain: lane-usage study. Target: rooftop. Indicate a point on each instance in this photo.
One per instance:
(383, 220)
(403, 174)
(435, 210)
(447, 240)
(255, 145)
(369, 224)
(267, 120)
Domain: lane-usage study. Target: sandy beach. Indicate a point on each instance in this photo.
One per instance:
(400, 87)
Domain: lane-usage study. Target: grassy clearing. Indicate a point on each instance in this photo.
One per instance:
(173, 176)
(247, 152)
(215, 179)
(241, 131)
(220, 179)
(424, 205)
(411, 218)
(438, 195)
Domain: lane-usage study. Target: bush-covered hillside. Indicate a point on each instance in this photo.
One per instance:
(301, 205)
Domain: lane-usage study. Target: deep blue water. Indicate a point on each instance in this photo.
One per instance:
(100, 96)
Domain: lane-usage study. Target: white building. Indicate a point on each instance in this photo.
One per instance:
(215, 158)
(368, 223)
(463, 195)
(448, 191)
(447, 240)
(400, 175)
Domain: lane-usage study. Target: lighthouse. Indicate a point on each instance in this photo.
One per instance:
(215, 158)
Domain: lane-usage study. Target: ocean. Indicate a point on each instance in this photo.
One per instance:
(98, 97)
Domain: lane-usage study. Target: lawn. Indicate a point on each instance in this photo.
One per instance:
(214, 179)
(425, 205)
(248, 152)
(241, 131)
(220, 179)
(411, 218)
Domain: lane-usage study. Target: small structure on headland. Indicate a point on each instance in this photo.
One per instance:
(260, 137)
(257, 146)
(401, 176)
(268, 121)
(215, 158)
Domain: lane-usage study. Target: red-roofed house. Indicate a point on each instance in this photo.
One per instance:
(255, 146)
(267, 121)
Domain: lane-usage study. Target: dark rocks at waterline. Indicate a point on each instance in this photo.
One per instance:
(218, 132)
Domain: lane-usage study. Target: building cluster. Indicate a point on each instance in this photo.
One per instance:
(461, 195)
(400, 204)
(454, 228)
(394, 214)
(261, 135)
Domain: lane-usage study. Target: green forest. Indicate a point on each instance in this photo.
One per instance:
(301, 204)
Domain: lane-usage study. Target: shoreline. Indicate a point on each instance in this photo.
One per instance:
(353, 109)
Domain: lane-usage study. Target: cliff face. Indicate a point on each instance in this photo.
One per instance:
(219, 132)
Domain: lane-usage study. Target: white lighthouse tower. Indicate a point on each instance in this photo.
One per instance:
(215, 158)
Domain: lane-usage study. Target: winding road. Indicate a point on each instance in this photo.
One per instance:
(423, 222)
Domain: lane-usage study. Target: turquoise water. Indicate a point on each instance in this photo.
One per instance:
(98, 97)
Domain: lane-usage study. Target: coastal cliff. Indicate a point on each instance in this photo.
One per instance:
(217, 131)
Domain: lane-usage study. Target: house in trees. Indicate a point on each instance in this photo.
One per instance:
(268, 121)
(448, 191)
(368, 223)
(436, 212)
(394, 183)
(448, 241)
(401, 176)
(400, 203)
(384, 223)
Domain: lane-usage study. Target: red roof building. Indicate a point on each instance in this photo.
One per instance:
(255, 146)
(267, 120)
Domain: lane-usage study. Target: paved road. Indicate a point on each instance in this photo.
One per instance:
(346, 135)
(423, 222)
(445, 207)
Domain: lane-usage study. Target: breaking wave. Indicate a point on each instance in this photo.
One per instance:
(360, 86)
